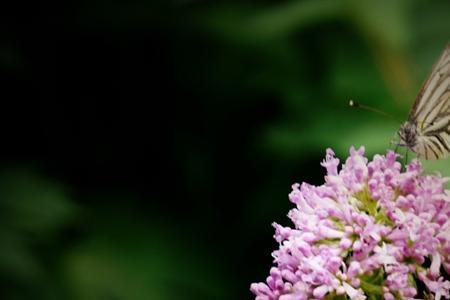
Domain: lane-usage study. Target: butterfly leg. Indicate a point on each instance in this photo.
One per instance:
(406, 157)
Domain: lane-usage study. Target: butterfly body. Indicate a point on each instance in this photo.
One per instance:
(408, 134)
(427, 130)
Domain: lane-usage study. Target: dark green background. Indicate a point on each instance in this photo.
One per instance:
(146, 147)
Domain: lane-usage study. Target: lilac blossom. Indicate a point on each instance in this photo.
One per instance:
(371, 231)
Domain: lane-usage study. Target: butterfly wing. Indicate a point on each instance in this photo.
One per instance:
(431, 112)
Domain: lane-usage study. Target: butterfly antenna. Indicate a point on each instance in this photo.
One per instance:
(354, 104)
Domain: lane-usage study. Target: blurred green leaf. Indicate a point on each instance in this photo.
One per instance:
(32, 204)
(34, 209)
(127, 257)
(250, 24)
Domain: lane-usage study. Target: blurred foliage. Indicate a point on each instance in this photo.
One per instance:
(33, 212)
(131, 256)
(246, 98)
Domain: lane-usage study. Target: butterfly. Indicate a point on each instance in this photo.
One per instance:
(427, 130)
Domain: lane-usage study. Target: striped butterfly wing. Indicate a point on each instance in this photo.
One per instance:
(431, 112)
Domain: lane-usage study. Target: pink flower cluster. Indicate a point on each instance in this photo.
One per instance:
(372, 231)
